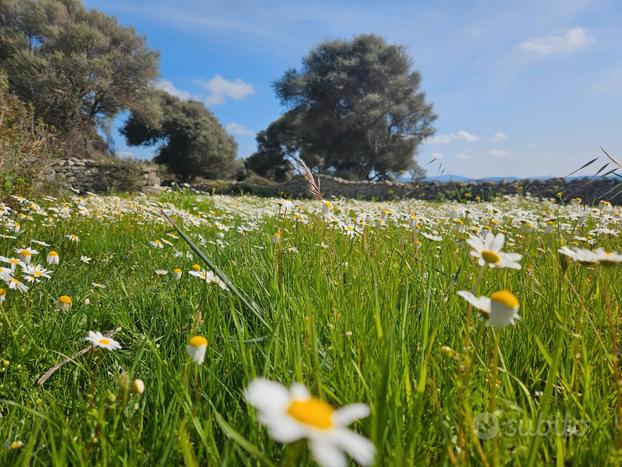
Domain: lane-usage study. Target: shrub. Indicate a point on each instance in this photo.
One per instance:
(121, 175)
(255, 179)
(27, 146)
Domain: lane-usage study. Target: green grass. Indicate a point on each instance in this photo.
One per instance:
(360, 319)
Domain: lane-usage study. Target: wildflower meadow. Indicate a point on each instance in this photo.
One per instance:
(182, 328)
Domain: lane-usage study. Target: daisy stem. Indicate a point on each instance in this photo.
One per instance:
(196, 383)
(466, 378)
(277, 261)
(96, 359)
(8, 325)
(614, 360)
(493, 391)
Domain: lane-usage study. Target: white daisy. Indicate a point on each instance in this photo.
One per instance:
(16, 285)
(434, 238)
(5, 274)
(197, 345)
(488, 252)
(86, 259)
(97, 339)
(52, 257)
(210, 278)
(156, 244)
(64, 303)
(13, 262)
(294, 414)
(580, 255)
(26, 254)
(583, 256)
(607, 258)
(500, 310)
(35, 273)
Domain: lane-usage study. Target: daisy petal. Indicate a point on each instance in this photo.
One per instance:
(481, 303)
(348, 414)
(266, 395)
(299, 391)
(283, 430)
(326, 454)
(358, 447)
(498, 242)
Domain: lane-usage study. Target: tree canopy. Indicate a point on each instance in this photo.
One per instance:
(77, 67)
(192, 140)
(354, 110)
(274, 145)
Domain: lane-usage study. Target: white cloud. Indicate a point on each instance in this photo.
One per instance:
(439, 139)
(574, 39)
(462, 156)
(465, 136)
(499, 153)
(237, 129)
(437, 155)
(498, 136)
(220, 89)
(167, 86)
(458, 136)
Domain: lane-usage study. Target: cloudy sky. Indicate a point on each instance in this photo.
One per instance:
(523, 88)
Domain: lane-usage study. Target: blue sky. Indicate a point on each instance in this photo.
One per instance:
(523, 88)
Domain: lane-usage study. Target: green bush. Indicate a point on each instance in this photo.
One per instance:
(121, 175)
(27, 146)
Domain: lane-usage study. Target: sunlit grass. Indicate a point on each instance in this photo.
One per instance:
(374, 319)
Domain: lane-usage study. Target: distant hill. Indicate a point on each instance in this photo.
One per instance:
(448, 178)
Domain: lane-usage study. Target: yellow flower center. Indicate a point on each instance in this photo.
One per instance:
(24, 253)
(313, 412)
(2, 292)
(64, 299)
(37, 274)
(491, 256)
(197, 341)
(505, 297)
(196, 267)
(104, 341)
(13, 261)
(52, 253)
(177, 271)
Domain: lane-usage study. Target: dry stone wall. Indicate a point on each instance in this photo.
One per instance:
(589, 190)
(101, 176)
